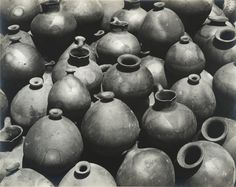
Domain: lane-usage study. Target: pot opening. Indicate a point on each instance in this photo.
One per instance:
(106, 96)
(129, 61)
(55, 114)
(218, 20)
(79, 53)
(159, 6)
(226, 35)
(36, 83)
(82, 169)
(193, 79)
(192, 155)
(13, 29)
(165, 95)
(118, 25)
(184, 39)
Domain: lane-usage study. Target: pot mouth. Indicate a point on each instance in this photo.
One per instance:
(79, 53)
(36, 83)
(15, 39)
(129, 61)
(55, 114)
(118, 25)
(70, 71)
(218, 19)
(158, 6)
(194, 79)
(106, 96)
(184, 39)
(190, 155)
(49, 6)
(82, 169)
(214, 129)
(80, 41)
(99, 33)
(226, 35)
(144, 53)
(165, 96)
(13, 29)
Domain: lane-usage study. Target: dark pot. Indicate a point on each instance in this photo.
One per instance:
(30, 103)
(53, 29)
(70, 95)
(161, 28)
(53, 144)
(182, 59)
(106, 138)
(196, 94)
(220, 50)
(168, 124)
(19, 12)
(133, 14)
(87, 174)
(117, 42)
(205, 163)
(225, 90)
(193, 13)
(146, 167)
(229, 9)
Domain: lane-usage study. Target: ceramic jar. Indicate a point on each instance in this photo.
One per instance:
(225, 90)
(53, 29)
(168, 117)
(196, 161)
(53, 144)
(70, 95)
(87, 174)
(183, 59)
(146, 167)
(133, 14)
(161, 28)
(103, 137)
(196, 94)
(30, 103)
(117, 42)
(3, 106)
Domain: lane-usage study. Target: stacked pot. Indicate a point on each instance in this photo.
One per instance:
(118, 93)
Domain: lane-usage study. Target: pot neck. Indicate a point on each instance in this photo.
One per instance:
(194, 79)
(55, 114)
(50, 6)
(214, 129)
(225, 38)
(164, 99)
(217, 20)
(158, 6)
(132, 4)
(128, 63)
(118, 26)
(79, 57)
(36, 83)
(13, 29)
(82, 169)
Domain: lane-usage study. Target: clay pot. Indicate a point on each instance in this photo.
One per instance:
(70, 95)
(209, 29)
(225, 90)
(3, 107)
(87, 174)
(110, 7)
(207, 77)
(196, 161)
(220, 50)
(93, 46)
(168, 117)
(53, 29)
(221, 131)
(86, 70)
(30, 103)
(117, 42)
(133, 14)
(146, 167)
(47, 76)
(161, 28)
(182, 59)
(88, 13)
(24, 177)
(19, 63)
(229, 9)
(156, 67)
(103, 137)
(193, 13)
(19, 12)
(53, 144)
(197, 95)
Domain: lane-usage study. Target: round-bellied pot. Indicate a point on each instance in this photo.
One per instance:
(196, 94)
(207, 77)
(146, 167)
(117, 42)
(182, 59)
(30, 103)
(53, 29)
(229, 9)
(53, 144)
(87, 174)
(161, 28)
(3, 107)
(133, 14)
(168, 124)
(225, 90)
(103, 137)
(204, 163)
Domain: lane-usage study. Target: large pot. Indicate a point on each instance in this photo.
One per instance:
(229, 9)
(3, 107)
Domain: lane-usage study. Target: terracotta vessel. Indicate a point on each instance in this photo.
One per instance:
(182, 59)
(196, 94)
(87, 174)
(161, 28)
(30, 103)
(70, 95)
(146, 167)
(117, 42)
(168, 117)
(103, 137)
(196, 161)
(53, 144)
(225, 90)
(133, 14)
